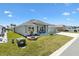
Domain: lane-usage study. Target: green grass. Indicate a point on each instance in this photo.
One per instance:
(43, 46)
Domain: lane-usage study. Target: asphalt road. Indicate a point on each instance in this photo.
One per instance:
(72, 50)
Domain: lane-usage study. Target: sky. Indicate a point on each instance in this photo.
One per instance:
(52, 13)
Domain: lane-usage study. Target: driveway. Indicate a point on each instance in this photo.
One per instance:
(69, 34)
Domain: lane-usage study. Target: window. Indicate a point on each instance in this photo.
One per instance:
(29, 27)
(32, 28)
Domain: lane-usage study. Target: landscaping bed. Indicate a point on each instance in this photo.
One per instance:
(43, 46)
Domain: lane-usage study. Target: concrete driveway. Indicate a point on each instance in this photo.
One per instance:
(69, 34)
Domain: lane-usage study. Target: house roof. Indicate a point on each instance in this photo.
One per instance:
(37, 22)
(60, 25)
(1, 26)
(34, 21)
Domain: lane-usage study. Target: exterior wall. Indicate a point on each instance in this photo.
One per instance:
(52, 29)
(34, 26)
(35, 29)
(47, 28)
(0, 29)
(60, 29)
(24, 29)
(20, 29)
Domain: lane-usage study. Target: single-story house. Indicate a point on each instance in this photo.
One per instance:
(35, 26)
(60, 28)
(71, 28)
(2, 30)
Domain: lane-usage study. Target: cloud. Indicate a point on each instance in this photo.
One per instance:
(32, 10)
(68, 19)
(73, 12)
(7, 12)
(77, 9)
(66, 13)
(45, 18)
(10, 15)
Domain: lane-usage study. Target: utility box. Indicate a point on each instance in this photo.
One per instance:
(21, 42)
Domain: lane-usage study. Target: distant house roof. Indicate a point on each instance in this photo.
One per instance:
(1, 26)
(60, 25)
(34, 21)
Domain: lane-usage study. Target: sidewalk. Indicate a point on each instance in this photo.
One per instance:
(71, 48)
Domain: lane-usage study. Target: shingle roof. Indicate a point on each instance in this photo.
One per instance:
(60, 25)
(34, 21)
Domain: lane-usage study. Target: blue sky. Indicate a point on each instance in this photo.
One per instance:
(53, 13)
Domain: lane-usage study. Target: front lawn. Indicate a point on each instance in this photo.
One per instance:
(43, 46)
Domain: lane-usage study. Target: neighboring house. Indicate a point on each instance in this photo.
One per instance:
(60, 28)
(37, 26)
(71, 28)
(2, 30)
(11, 27)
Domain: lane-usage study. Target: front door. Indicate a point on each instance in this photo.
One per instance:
(42, 29)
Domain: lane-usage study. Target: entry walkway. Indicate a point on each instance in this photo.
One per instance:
(71, 48)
